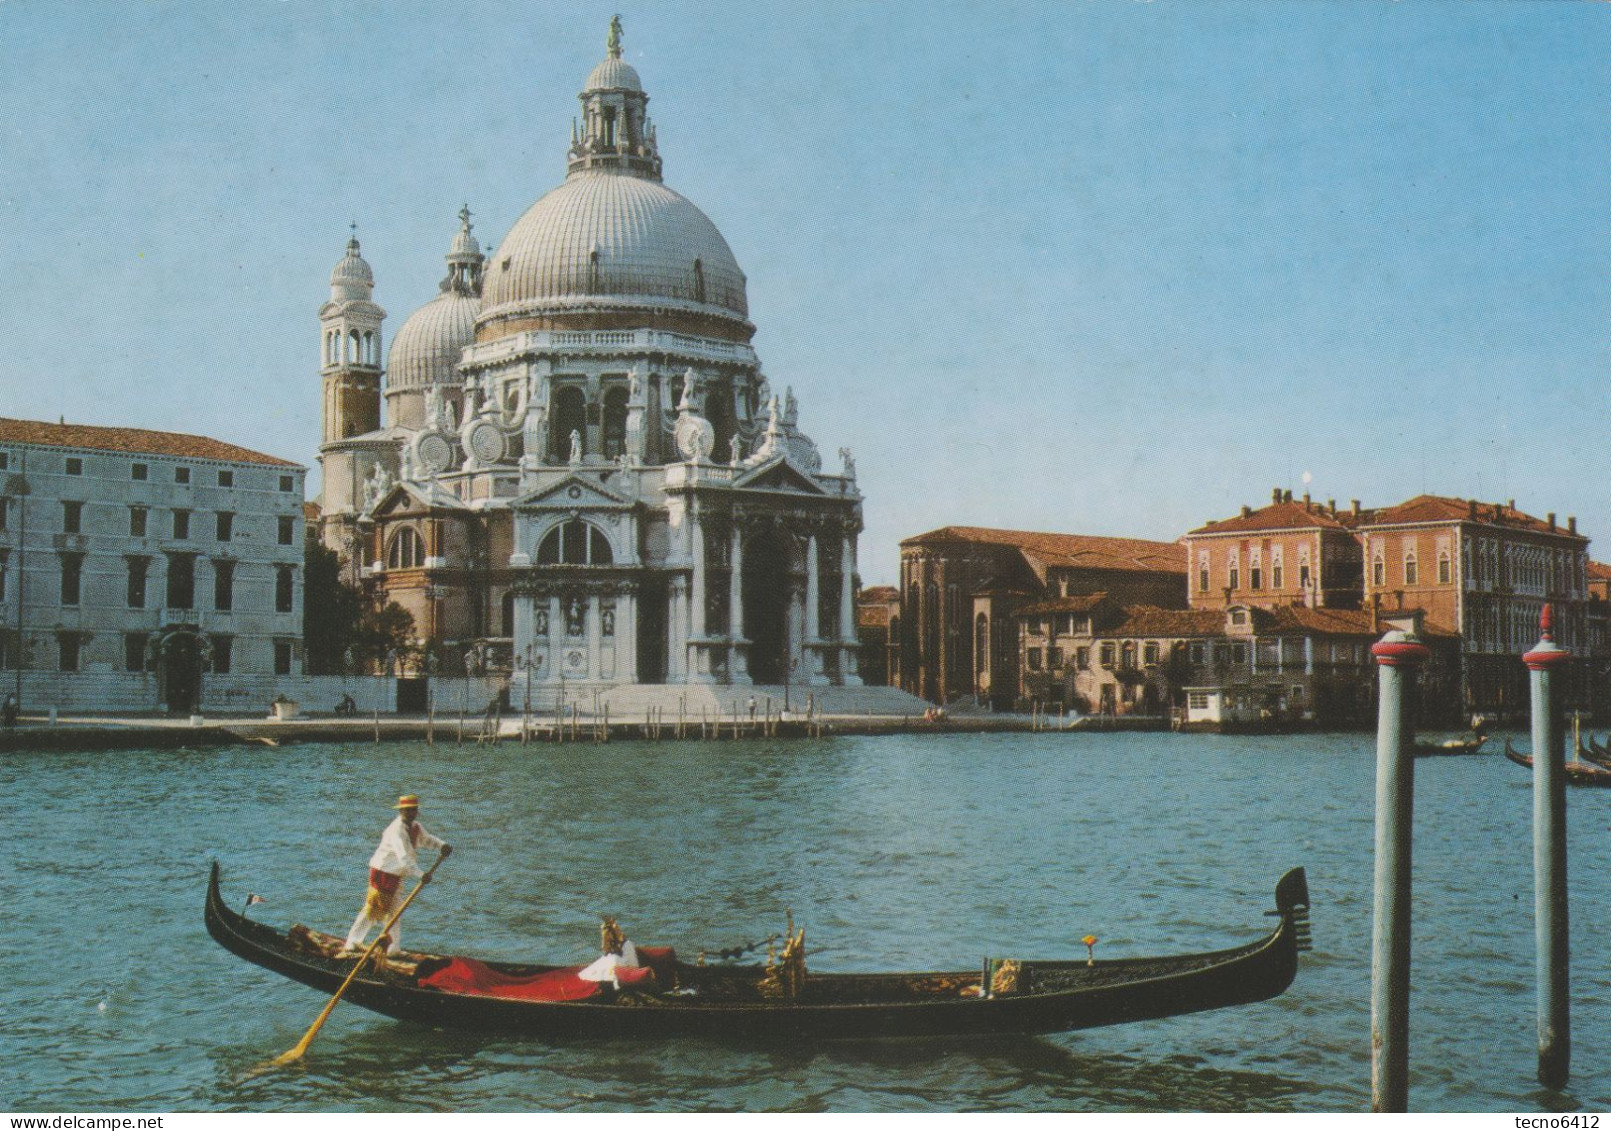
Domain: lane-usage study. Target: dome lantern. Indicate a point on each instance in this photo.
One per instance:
(616, 132)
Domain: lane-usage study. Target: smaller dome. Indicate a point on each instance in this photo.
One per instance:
(426, 348)
(352, 268)
(464, 244)
(613, 74)
(352, 278)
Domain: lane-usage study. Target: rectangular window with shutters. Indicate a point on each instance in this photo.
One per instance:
(75, 466)
(142, 472)
(282, 657)
(134, 651)
(69, 644)
(287, 530)
(284, 590)
(223, 649)
(139, 570)
(137, 521)
(72, 579)
(72, 518)
(226, 479)
(226, 525)
(181, 526)
(181, 581)
(224, 586)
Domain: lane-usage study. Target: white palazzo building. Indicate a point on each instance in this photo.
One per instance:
(583, 475)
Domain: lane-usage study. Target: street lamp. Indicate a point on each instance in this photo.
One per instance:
(17, 488)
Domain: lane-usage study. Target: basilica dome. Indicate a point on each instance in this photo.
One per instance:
(425, 349)
(611, 235)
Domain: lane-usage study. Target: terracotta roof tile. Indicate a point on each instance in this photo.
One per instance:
(879, 594)
(1599, 571)
(135, 441)
(1441, 508)
(1285, 516)
(312, 512)
(1076, 550)
(1082, 603)
(1147, 620)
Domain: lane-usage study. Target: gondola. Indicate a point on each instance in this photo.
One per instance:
(752, 1001)
(1596, 752)
(1472, 745)
(1577, 773)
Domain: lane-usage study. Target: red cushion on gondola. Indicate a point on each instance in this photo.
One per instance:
(662, 960)
(637, 977)
(468, 976)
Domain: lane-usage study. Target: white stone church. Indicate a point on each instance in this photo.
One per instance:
(583, 475)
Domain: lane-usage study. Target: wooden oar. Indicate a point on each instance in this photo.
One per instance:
(295, 1053)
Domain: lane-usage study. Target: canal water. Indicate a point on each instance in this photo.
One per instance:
(893, 852)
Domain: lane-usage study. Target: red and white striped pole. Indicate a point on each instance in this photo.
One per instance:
(1398, 655)
(1549, 859)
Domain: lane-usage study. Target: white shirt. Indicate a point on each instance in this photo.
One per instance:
(398, 849)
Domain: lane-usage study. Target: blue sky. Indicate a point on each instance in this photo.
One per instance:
(1108, 268)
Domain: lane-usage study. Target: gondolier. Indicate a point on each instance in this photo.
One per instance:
(396, 857)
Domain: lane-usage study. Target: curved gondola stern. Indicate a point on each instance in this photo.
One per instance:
(1292, 900)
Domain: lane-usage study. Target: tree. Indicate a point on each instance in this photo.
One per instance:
(383, 630)
(331, 611)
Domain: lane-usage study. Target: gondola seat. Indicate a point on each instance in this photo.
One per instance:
(469, 976)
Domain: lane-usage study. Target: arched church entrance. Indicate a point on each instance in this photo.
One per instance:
(767, 562)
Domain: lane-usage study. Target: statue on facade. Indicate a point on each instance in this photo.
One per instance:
(849, 462)
(576, 448)
(376, 486)
(634, 387)
(791, 408)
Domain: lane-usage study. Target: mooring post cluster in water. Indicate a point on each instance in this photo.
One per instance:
(1398, 656)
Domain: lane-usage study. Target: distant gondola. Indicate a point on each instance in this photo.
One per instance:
(749, 1001)
(1596, 752)
(1577, 773)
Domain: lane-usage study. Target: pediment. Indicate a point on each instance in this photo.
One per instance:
(406, 499)
(571, 492)
(779, 475)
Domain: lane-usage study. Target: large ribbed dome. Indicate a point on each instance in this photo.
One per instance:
(426, 348)
(605, 234)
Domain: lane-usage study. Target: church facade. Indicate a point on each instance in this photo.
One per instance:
(572, 466)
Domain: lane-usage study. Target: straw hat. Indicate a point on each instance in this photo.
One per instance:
(408, 801)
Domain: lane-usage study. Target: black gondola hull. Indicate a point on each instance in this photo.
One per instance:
(1120, 991)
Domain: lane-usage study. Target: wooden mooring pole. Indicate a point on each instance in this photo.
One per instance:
(1549, 859)
(1397, 657)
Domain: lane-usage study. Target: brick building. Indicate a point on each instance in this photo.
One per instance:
(961, 587)
(1287, 553)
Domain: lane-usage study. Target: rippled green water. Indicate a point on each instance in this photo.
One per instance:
(897, 852)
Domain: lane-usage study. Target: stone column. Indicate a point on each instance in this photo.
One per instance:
(813, 629)
(677, 631)
(626, 635)
(849, 670)
(738, 669)
(590, 633)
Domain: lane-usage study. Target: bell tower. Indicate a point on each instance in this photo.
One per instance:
(350, 352)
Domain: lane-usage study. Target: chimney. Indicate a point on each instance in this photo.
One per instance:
(1275, 495)
(1287, 498)
(1471, 509)
(1354, 503)
(1551, 520)
(1246, 510)
(1306, 500)
(1571, 524)
(1510, 504)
